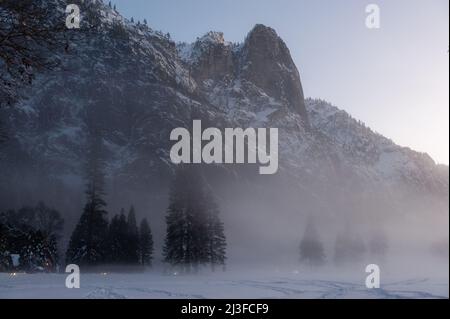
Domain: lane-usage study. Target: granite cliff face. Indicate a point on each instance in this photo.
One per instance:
(267, 62)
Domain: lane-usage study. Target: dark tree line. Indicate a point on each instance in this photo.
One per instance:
(95, 241)
(28, 239)
(121, 242)
(195, 234)
(127, 244)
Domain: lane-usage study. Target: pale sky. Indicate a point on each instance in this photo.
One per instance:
(395, 79)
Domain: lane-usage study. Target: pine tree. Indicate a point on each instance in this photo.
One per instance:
(114, 244)
(195, 234)
(145, 243)
(174, 247)
(216, 236)
(118, 239)
(311, 248)
(87, 245)
(132, 238)
(123, 238)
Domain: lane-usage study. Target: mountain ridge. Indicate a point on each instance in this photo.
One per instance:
(137, 84)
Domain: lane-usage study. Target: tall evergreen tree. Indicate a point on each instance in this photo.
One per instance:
(195, 234)
(145, 243)
(118, 239)
(174, 247)
(87, 244)
(311, 248)
(114, 245)
(216, 236)
(132, 238)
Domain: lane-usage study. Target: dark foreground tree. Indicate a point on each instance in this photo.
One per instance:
(217, 242)
(132, 238)
(145, 244)
(311, 248)
(174, 247)
(195, 233)
(88, 244)
(118, 239)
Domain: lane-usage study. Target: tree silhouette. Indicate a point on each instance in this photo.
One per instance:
(311, 248)
(88, 243)
(145, 243)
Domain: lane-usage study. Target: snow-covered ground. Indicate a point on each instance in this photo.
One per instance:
(218, 285)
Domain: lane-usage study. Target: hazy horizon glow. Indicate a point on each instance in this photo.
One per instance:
(395, 79)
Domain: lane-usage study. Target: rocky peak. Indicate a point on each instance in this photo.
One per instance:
(210, 57)
(267, 62)
(212, 37)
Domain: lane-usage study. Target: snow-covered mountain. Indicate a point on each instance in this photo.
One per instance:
(136, 84)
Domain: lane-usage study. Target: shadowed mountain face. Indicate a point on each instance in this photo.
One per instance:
(135, 85)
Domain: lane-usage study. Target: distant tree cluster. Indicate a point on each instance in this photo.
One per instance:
(348, 247)
(28, 239)
(195, 234)
(126, 243)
